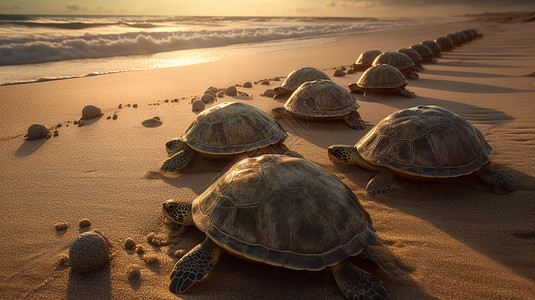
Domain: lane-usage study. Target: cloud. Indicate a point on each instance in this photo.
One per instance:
(75, 7)
(11, 7)
(505, 3)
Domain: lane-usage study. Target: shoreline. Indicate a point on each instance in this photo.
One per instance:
(453, 239)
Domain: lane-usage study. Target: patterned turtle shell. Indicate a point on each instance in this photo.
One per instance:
(321, 99)
(425, 141)
(232, 128)
(396, 59)
(423, 50)
(445, 42)
(283, 211)
(413, 54)
(382, 77)
(366, 58)
(298, 77)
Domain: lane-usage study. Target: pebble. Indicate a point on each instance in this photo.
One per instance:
(37, 131)
(90, 112)
(88, 251)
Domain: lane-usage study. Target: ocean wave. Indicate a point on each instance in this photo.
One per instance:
(37, 50)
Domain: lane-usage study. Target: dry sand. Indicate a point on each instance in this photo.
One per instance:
(448, 240)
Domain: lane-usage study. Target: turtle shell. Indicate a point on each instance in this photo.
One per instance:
(321, 99)
(445, 42)
(367, 57)
(413, 54)
(434, 46)
(456, 38)
(382, 77)
(425, 141)
(298, 77)
(283, 211)
(423, 50)
(232, 128)
(397, 59)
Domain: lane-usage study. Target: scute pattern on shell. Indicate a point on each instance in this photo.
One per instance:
(434, 46)
(382, 76)
(283, 211)
(321, 98)
(445, 42)
(425, 141)
(231, 128)
(298, 77)
(399, 60)
(367, 57)
(423, 50)
(413, 54)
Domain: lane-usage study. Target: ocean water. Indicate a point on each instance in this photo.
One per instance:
(37, 48)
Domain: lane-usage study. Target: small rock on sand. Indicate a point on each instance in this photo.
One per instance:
(84, 222)
(339, 72)
(248, 84)
(269, 93)
(208, 98)
(37, 131)
(88, 251)
(265, 82)
(152, 122)
(197, 105)
(231, 91)
(90, 112)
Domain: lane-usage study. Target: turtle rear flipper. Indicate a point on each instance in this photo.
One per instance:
(356, 283)
(177, 161)
(407, 94)
(501, 182)
(354, 121)
(194, 266)
(381, 184)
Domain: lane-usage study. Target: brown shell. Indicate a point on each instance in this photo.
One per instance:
(425, 141)
(322, 99)
(367, 57)
(396, 59)
(423, 50)
(434, 46)
(232, 128)
(445, 42)
(283, 211)
(413, 54)
(298, 77)
(382, 77)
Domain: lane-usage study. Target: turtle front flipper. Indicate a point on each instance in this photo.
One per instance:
(177, 161)
(354, 121)
(413, 75)
(407, 94)
(501, 182)
(194, 266)
(381, 184)
(356, 283)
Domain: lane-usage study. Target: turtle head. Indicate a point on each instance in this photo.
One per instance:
(343, 154)
(279, 91)
(178, 211)
(174, 146)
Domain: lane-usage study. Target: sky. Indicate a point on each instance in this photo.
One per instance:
(328, 8)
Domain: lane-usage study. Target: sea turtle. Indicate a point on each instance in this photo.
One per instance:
(456, 38)
(445, 43)
(425, 52)
(280, 211)
(382, 79)
(298, 77)
(365, 59)
(434, 46)
(230, 128)
(399, 60)
(415, 56)
(422, 142)
(322, 100)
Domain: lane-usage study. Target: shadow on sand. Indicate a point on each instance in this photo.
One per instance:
(28, 147)
(93, 285)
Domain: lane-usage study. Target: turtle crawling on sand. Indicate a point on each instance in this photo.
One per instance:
(422, 142)
(399, 60)
(230, 128)
(381, 79)
(365, 60)
(298, 77)
(281, 211)
(322, 100)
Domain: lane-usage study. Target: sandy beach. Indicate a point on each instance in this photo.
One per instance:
(451, 239)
